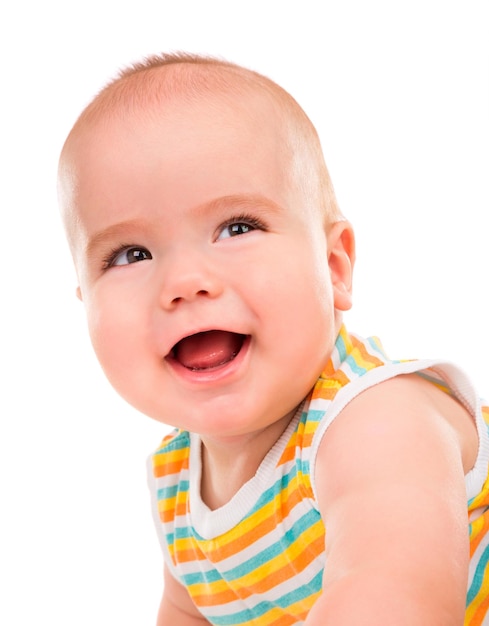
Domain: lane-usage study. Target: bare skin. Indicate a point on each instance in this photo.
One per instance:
(181, 219)
(409, 465)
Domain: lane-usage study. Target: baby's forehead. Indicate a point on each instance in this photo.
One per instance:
(195, 124)
(181, 89)
(142, 103)
(104, 126)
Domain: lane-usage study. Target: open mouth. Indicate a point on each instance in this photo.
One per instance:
(207, 350)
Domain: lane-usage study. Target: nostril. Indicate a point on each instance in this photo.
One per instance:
(201, 292)
(183, 287)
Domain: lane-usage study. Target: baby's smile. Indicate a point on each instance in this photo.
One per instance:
(207, 350)
(232, 285)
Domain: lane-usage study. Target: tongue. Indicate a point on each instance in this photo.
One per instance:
(207, 350)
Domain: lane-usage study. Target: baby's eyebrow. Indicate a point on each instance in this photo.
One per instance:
(114, 231)
(239, 202)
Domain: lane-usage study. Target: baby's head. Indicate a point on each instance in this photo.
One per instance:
(211, 255)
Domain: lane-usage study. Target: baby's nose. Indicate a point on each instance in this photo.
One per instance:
(188, 278)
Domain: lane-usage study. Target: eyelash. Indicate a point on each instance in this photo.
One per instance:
(243, 218)
(109, 260)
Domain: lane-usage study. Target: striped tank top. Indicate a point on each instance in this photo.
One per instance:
(259, 559)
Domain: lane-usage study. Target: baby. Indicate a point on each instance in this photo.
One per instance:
(309, 479)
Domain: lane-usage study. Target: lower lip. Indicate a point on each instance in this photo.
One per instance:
(218, 374)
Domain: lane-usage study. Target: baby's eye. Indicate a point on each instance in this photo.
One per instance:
(239, 226)
(127, 255)
(232, 230)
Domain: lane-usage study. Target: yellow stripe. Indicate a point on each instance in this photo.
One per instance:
(296, 557)
(245, 534)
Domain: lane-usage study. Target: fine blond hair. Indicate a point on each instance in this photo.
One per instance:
(145, 86)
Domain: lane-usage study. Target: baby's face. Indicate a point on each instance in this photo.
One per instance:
(208, 284)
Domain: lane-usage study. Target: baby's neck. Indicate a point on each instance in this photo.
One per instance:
(228, 465)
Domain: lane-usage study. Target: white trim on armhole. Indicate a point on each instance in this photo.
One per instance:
(456, 380)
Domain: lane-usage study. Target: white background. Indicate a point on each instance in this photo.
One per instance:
(399, 93)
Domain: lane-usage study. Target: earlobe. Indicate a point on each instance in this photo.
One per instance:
(79, 294)
(341, 259)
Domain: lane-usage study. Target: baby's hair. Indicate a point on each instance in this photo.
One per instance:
(195, 76)
(145, 86)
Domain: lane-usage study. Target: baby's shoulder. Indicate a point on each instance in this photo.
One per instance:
(415, 400)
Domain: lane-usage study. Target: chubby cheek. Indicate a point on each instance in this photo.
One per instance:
(300, 309)
(114, 336)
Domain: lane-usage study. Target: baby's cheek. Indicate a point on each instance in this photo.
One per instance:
(110, 337)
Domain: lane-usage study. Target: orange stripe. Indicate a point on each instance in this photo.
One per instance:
(225, 551)
(222, 552)
(192, 554)
(479, 615)
(328, 388)
(287, 455)
(367, 357)
(290, 569)
(285, 620)
(170, 467)
(211, 598)
(290, 450)
(169, 515)
(481, 532)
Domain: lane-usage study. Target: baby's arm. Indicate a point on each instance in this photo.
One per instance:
(176, 608)
(390, 485)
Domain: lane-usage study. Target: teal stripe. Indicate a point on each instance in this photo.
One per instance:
(178, 533)
(275, 549)
(355, 367)
(262, 608)
(341, 348)
(303, 466)
(269, 494)
(197, 578)
(374, 344)
(178, 442)
(183, 532)
(166, 492)
(478, 578)
(315, 415)
(279, 547)
(171, 492)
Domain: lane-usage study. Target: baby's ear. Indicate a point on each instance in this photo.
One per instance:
(79, 294)
(341, 259)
